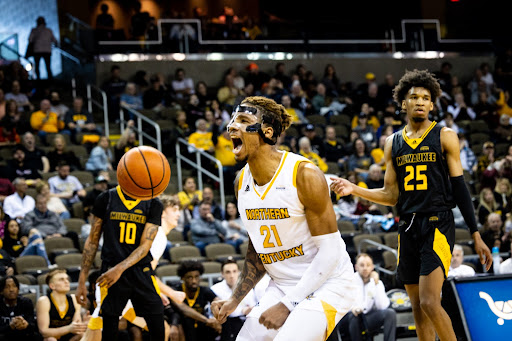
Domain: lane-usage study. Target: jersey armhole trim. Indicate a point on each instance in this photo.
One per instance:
(241, 179)
(295, 169)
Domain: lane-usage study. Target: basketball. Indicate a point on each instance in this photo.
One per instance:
(143, 173)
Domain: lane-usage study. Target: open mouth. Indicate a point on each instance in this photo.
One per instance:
(237, 144)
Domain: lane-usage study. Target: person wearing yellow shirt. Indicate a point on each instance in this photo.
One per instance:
(372, 119)
(305, 150)
(201, 138)
(502, 103)
(45, 121)
(190, 196)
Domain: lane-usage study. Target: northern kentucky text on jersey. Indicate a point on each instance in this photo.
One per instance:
(267, 213)
(136, 218)
(272, 257)
(415, 158)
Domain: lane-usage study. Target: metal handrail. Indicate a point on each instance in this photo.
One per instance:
(78, 21)
(67, 55)
(382, 246)
(139, 118)
(102, 106)
(211, 278)
(200, 169)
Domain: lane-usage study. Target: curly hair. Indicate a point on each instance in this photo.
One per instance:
(272, 110)
(416, 78)
(190, 265)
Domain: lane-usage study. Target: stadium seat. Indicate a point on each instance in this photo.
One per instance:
(391, 239)
(340, 120)
(167, 270)
(220, 251)
(71, 262)
(243, 248)
(346, 226)
(32, 265)
(26, 279)
(364, 248)
(463, 236)
(57, 246)
(85, 177)
(78, 210)
(185, 252)
(97, 260)
(175, 237)
(317, 119)
(74, 224)
(211, 267)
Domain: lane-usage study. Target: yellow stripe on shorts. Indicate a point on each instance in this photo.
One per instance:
(157, 288)
(442, 249)
(330, 314)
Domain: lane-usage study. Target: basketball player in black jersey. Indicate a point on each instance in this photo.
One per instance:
(129, 227)
(424, 180)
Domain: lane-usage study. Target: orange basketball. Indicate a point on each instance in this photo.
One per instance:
(143, 173)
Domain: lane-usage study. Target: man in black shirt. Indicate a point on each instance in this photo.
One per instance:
(198, 298)
(129, 227)
(17, 320)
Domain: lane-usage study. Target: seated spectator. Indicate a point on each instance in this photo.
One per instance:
(485, 160)
(487, 204)
(365, 130)
(315, 141)
(45, 121)
(17, 244)
(448, 121)
(127, 141)
(375, 177)
(333, 148)
(228, 93)
(506, 265)
(203, 95)
(503, 194)
(223, 290)
(208, 197)
(17, 318)
(502, 106)
(492, 234)
(131, 99)
(360, 161)
(371, 310)
(224, 153)
(53, 202)
(67, 323)
(198, 297)
(80, 121)
(4, 219)
(61, 153)
(296, 114)
(378, 152)
(190, 196)
(154, 97)
(57, 107)
(17, 205)
(34, 155)
(47, 223)
(372, 119)
(202, 138)
(19, 119)
(467, 157)
(307, 152)
(503, 132)
(6, 264)
(182, 86)
(460, 110)
(350, 207)
(206, 229)
(19, 167)
(21, 99)
(65, 186)
(457, 269)
(100, 186)
(236, 234)
(9, 135)
(101, 157)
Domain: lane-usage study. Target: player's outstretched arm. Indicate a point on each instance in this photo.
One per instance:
(110, 277)
(251, 274)
(387, 195)
(90, 248)
(450, 144)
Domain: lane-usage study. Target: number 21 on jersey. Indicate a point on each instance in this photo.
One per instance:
(270, 233)
(416, 173)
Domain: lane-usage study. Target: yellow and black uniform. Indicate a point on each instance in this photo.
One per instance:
(62, 318)
(427, 229)
(124, 220)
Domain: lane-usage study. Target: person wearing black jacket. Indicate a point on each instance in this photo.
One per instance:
(17, 320)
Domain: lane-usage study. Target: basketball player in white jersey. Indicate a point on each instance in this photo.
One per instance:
(285, 206)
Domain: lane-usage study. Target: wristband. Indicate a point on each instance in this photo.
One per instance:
(288, 304)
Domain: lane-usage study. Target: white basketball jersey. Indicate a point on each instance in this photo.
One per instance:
(276, 222)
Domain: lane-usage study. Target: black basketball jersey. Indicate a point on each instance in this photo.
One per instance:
(124, 220)
(421, 172)
(61, 318)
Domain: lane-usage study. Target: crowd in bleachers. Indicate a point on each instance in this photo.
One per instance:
(55, 161)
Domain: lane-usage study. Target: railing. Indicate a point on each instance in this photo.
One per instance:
(389, 41)
(200, 169)
(67, 55)
(212, 278)
(141, 133)
(380, 246)
(102, 106)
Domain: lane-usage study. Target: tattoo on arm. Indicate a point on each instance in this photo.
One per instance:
(91, 245)
(142, 250)
(151, 232)
(251, 274)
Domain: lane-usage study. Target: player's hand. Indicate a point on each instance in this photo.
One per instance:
(77, 328)
(165, 300)
(81, 294)
(221, 309)
(275, 316)
(375, 276)
(341, 186)
(174, 334)
(214, 324)
(483, 251)
(110, 277)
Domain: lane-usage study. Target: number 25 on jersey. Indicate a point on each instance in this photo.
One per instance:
(416, 173)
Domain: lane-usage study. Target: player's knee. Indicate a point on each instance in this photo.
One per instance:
(429, 305)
